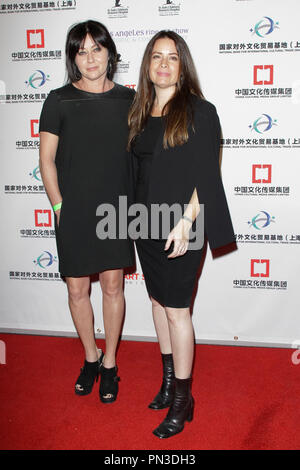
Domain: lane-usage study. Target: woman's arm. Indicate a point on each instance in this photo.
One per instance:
(180, 233)
(193, 208)
(48, 148)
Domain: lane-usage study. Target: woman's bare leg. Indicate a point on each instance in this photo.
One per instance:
(82, 314)
(113, 312)
(182, 340)
(161, 327)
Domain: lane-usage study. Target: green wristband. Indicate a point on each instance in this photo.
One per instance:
(56, 207)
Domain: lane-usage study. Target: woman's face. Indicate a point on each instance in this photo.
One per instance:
(92, 59)
(165, 64)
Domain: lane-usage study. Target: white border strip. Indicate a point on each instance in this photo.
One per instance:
(151, 339)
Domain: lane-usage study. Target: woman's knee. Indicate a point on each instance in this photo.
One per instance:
(177, 315)
(112, 285)
(77, 291)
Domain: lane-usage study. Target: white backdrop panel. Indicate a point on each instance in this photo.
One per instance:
(246, 53)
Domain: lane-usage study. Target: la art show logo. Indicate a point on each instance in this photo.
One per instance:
(134, 279)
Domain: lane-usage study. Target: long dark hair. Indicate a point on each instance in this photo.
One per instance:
(178, 111)
(75, 39)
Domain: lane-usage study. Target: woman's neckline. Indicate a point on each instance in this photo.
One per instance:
(92, 92)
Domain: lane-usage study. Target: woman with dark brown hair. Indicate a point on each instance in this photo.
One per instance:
(174, 138)
(83, 162)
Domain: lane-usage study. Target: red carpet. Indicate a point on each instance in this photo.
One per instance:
(246, 398)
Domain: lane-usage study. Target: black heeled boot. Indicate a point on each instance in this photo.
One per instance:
(181, 410)
(89, 373)
(165, 396)
(109, 386)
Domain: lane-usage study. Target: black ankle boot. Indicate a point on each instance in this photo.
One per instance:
(180, 411)
(89, 373)
(109, 386)
(165, 396)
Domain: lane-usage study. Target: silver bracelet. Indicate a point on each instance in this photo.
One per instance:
(187, 218)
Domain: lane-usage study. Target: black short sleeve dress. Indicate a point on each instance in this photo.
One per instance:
(92, 168)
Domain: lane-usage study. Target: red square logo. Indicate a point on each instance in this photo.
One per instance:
(261, 173)
(35, 38)
(34, 125)
(260, 268)
(42, 218)
(263, 74)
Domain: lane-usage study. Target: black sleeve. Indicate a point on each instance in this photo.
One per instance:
(207, 180)
(50, 116)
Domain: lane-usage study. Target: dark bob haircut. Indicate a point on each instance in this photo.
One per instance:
(75, 40)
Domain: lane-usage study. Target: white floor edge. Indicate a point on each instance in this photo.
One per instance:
(69, 334)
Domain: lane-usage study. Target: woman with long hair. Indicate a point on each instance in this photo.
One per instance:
(83, 138)
(174, 139)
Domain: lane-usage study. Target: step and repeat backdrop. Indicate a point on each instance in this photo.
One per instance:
(247, 54)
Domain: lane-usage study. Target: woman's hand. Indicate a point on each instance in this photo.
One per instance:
(180, 236)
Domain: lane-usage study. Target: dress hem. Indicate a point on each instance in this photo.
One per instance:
(165, 305)
(91, 273)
